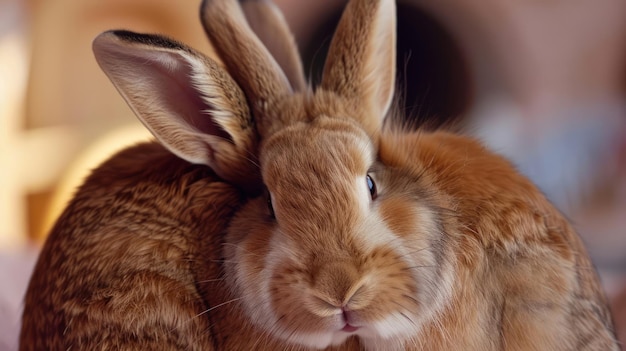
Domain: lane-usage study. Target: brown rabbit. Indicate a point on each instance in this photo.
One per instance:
(323, 226)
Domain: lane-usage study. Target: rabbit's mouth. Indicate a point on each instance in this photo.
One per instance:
(348, 318)
(348, 328)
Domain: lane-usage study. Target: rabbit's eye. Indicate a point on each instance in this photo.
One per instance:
(270, 207)
(372, 186)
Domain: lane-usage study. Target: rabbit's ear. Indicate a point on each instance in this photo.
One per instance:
(246, 58)
(270, 26)
(361, 61)
(191, 105)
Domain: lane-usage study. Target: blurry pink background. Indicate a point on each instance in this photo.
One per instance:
(542, 82)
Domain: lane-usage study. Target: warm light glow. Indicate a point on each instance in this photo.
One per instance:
(85, 162)
(13, 68)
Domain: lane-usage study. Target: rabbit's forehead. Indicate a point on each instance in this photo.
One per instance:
(316, 153)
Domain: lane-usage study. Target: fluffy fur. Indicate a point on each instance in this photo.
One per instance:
(275, 241)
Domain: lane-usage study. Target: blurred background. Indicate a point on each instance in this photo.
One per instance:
(542, 82)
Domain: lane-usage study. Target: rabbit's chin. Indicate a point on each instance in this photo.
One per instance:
(386, 332)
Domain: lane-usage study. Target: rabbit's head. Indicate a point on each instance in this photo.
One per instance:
(332, 242)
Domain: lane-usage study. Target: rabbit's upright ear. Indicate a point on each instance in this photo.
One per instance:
(361, 61)
(191, 105)
(247, 59)
(272, 29)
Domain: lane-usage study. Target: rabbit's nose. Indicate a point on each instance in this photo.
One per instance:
(341, 285)
(335, 280)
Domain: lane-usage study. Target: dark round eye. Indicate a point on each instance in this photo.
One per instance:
(270, 207)
(372, 186)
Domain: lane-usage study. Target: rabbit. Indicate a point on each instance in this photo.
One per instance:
(274, 216)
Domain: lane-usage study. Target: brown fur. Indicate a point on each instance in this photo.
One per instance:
(118, 269)
(293, 251)
(524, 280)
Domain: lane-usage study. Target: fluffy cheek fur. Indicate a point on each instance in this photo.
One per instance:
(246, 248)
(392, 279)
(412, 230)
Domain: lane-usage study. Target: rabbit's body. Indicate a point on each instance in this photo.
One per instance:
(118, 270)
(138, 265)
(321, 226)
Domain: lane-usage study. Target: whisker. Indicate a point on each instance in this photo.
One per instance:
(217, 306)
(209, 310)
(414, 252)
(408, 318)
(252, 159)
(264, 334)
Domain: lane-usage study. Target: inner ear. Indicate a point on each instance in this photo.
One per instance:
(189, 103)
(170, 72)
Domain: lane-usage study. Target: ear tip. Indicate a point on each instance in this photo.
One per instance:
(204, 5)
(204, 10)
(102, 40)
(105, 36)
(112, 35)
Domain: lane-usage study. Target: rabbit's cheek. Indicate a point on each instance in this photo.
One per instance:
(249, 265)
(417, 241)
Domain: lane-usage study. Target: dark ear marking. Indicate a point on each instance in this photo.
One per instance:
(148, 39)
